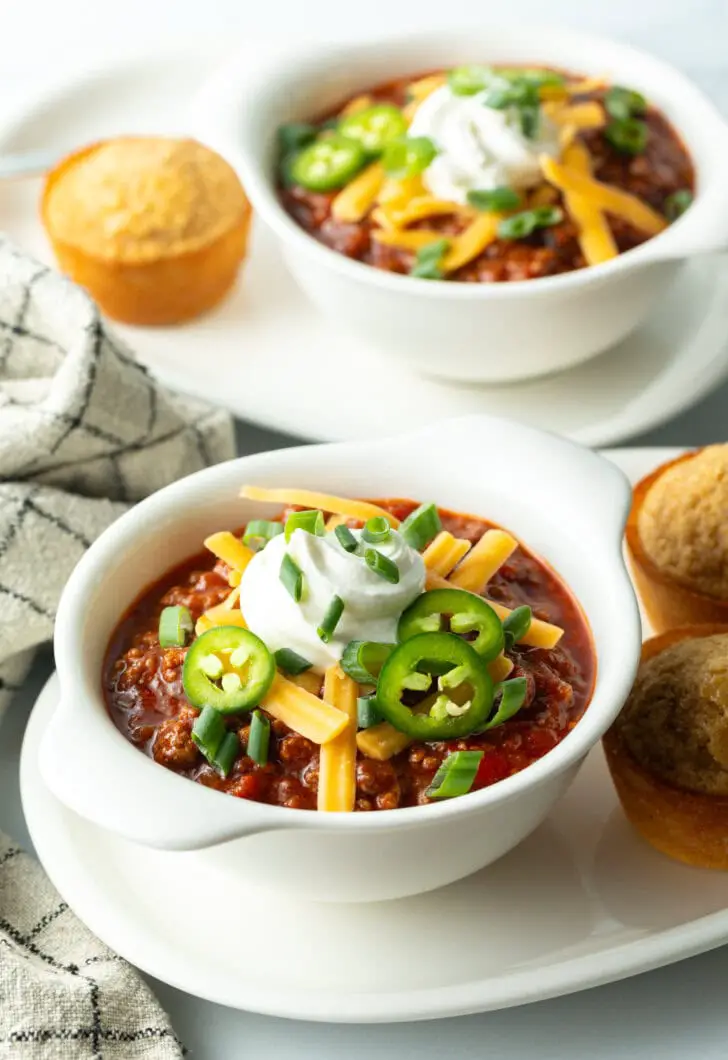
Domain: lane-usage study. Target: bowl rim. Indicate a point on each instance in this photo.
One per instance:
(609, 692)
(268, 87)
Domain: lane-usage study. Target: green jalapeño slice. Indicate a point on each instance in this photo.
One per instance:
(375, 127)
(328, 163)
(456, 611)
(227, 668)
(449, 672)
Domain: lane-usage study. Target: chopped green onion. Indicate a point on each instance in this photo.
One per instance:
(677, 203)
(219, 746)
(367, 712)
(421, 526)
(331, 619)
(259, 532)
(227, 753)
(346, 539)
(513, 696)
(292, 577)
(623, 103)
(514, 93)
(516, 625)
(532, 76)
(455, 775)
(363, 659)
(208, 732)
(382, 565)
(408, 156)
(376, 530)
(428, 260)
(469, 80)
(310, 521)
(295, 135)
(628, 136)
(175, 626)
(291, 662)
(259, 738)
(521, 225)
(495, 200)
(529, 119)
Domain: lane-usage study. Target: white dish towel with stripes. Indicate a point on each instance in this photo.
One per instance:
(85, 431)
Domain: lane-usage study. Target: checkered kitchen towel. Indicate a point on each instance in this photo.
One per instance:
(84, 432)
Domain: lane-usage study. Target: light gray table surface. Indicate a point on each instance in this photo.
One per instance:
(677, 1013)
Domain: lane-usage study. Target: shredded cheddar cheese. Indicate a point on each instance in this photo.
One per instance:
(381, 741)
(301, 498)
(230, 550)
(589, 115)
(444, 553)
(603, 196)
(337, 762)
(500, 667)
(423, 88)
(469, 244)
(421, 208)
(356, 105)
(303, 712)
(412, 239)
(355, 200)
(221, 615)
(482, 562)
(595, 236)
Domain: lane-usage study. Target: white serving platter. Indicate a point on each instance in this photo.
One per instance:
(268, 356)
(583, 901)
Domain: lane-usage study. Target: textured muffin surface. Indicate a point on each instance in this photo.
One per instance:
(683, 523)
(675, 722)
(140, 199)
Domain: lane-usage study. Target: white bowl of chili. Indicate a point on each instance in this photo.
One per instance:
(482, 331)
(566, 502)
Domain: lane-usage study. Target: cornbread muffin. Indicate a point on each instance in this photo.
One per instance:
(677, 538)
(154, 228)
(668, 749)
(683, 524)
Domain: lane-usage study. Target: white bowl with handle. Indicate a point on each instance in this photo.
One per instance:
(566, 503)
(488, 332)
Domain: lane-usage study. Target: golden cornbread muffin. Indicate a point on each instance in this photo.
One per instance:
(668, 749)
(677, 538)
(155, 229)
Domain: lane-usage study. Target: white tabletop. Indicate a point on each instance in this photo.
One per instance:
(676, 1013)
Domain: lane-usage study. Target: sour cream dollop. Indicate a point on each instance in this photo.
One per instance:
(372, 605)
(481, 148)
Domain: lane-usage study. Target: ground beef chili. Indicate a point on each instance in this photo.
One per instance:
(661, 170)
(144, 693)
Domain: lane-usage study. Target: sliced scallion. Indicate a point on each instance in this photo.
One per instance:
(494, 200)
(331, 619)
(259, 738)
(175, 627)
(291, 662)
(292, 577)
(516, 625)
(363, 659)
(367, 712)
(346, 539)
(382, 565)
(421, 526)
(208, 732)
(622, 103)
(524, 224)
(311, 521)
(677, 203)
(455, 775)
(628, 136)
(428, 260)
(227, 753)
(513, 696)
(376, 530)
(259, 532)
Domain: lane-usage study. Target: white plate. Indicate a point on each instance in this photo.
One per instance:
(582, 902)
(269, 357)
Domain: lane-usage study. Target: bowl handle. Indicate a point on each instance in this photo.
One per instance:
(99, 775)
